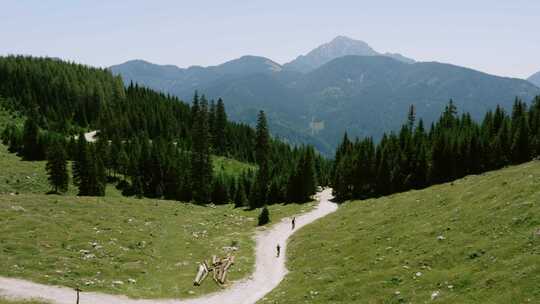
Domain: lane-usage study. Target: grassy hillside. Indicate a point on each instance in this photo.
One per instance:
(229, 166)
(19, 176)
(94, 242)
(151, 246)
(476, 240)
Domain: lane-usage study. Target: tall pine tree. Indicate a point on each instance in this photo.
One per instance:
(219, 128)
(31, 149)
(258, 197)
(57, 167)
(201, 163)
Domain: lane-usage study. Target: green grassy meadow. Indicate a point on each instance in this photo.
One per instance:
(140, 248)
(143, 248)
(476, 240)
(18, 176)
(229, 166)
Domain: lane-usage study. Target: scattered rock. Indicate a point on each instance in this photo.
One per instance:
(418, 274)
(180, 264)
(191, 292)
(230, 248)
(89, 256)
(18, 208)
(435, 295)
(397, 293)
(441, 238)
(132, 281)
(118, 283)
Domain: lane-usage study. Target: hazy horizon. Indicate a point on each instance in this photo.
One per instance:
(496, 38)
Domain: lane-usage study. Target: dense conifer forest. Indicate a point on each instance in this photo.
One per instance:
(149, 144)
(154, 145)
(451, 148)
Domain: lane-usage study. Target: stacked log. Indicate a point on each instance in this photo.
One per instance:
(219, 267)
(227, 263)
(201, 274)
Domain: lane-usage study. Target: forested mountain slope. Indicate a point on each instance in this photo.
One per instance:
(363, 95)
(152, 144)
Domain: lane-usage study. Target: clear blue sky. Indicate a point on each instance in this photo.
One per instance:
(499, 37)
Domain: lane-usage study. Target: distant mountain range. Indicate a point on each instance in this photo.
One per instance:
(338, 47)
(343, 85)
(535, 79)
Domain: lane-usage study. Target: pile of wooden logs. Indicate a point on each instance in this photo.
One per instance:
(219, 267)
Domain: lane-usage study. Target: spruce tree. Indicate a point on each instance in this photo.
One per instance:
(220, 125)
(520, 142)
(13, 138)
(211, 122)
(99, 176)
(240, 199)
(80, 165)
(103, 151)
(57, 167)
(88, 170)
(220, 194)
(115, 150)
(259, 193)
(264, 216)
(201, 163)
(194, 109)
(122, 161)
(137, 187)
(30, 140)
(262, 140)
(411, 117)
(309, 176)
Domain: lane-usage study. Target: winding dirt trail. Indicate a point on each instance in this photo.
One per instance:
(269, 271)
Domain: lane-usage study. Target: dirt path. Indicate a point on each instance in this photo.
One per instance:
(269, 271)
